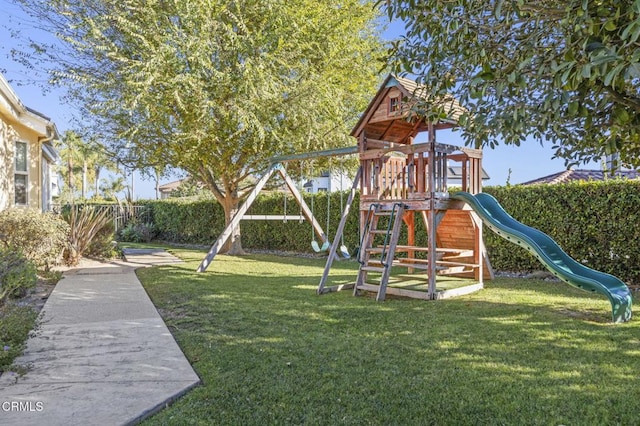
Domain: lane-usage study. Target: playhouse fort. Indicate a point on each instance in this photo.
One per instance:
(403, 182)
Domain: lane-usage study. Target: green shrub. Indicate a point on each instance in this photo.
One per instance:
(16, 322)
(85, 223)
(138, 232)
(103, 244)
(187, 221)
(42, 237)
(596, 223)
(17, 274)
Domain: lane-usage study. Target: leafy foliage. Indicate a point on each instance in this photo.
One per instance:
(213, 87)
(42, 237)
(566, 72)
(85, 223)
(103, 245)
(16, 322)
(17, 274)
(138, 232)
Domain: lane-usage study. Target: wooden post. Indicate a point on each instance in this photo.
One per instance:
(432, 214)
(409, 220)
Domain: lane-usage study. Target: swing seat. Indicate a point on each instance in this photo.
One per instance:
(344, 251)
(316, 247)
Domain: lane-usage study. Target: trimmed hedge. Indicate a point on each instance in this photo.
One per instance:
(201, 221)
(597, 223)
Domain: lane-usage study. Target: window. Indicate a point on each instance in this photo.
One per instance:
(394, 104)
(21, 177)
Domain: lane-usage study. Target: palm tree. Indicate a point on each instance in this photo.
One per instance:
(70, 151)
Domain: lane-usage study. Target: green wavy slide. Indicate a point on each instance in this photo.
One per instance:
(550, 254)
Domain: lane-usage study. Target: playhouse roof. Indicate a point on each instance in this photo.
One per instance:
(400, 126)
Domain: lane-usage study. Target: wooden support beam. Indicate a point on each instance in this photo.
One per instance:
(336, 152)
(283, 218)
(235, 221)
(431, 215)
(306, 211)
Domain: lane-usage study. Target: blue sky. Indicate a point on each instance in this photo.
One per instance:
(526, 162)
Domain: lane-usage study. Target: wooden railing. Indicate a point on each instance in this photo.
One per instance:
(417, 172)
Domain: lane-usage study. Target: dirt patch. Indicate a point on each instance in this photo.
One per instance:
(37, 296)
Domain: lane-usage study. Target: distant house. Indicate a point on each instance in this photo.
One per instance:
(328, 181)
(27, 155)
(454, 176)
(186, 187)
(167, 188)
(567, 176)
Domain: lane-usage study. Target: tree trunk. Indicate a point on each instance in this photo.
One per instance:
(157, 184)
(97, 188)
(233, 246)
(84, 180)
(70, 177)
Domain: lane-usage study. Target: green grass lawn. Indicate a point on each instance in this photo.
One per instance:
(270, 351)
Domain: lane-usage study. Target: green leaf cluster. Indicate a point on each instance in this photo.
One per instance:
(17, 274)
(564, 72)
(214, 87)
(16, 322)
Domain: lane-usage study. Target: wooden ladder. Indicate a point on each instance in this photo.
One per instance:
(383, 263)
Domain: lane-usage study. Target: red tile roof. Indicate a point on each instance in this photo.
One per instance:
(582, 175)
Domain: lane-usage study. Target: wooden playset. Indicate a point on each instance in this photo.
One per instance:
(400, 182)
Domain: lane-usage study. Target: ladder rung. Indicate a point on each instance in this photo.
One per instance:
(419, 265)
(373, 269)
(448, 263)
(378, 231)
(412, 260)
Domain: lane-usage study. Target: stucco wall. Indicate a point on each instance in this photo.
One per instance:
(9, 134)
(7, 140)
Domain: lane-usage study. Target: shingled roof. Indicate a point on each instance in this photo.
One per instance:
(380, 122)
(451, 105)
(567, 176)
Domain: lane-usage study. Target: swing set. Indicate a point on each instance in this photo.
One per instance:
(277, 166)
(400, 181)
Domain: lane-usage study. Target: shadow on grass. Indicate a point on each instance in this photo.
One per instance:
(297, 275)
(270, 351)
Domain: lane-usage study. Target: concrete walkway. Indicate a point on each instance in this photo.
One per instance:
(102, 356)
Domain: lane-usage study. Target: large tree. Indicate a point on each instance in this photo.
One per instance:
(214, 87)
(561, 71)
